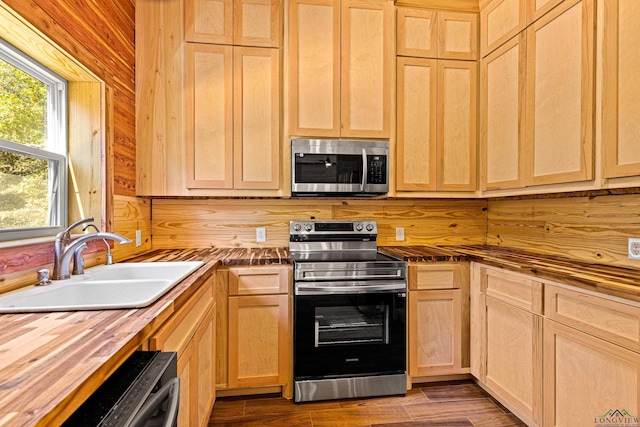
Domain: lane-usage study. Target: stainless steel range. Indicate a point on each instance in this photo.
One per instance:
(349, 312)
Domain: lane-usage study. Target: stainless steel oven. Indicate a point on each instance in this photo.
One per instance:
(321, 167)
(349, 312)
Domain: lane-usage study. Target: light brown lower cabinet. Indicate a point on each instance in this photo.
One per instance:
(570, 358)
(438, 319)
(587, 379)
(254, 330)
(191, 333)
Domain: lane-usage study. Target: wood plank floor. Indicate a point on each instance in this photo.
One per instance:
(461, 404)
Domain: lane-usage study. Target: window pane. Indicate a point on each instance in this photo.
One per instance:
(24, 191)
(23, 107)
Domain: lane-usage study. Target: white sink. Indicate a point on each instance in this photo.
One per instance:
(129, 285)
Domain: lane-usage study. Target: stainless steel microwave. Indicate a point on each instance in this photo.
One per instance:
(327, 167)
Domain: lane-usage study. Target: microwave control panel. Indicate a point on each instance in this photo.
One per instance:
(376, 169)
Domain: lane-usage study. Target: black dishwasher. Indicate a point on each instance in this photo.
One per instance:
(143, 391)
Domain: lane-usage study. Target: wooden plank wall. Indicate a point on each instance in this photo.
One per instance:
(590, 228)
(203, 223)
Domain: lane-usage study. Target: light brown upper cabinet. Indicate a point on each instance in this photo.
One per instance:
(500, 20)
(560, 94)
(537, 8)
(436, 125)
(416, 32)
(502, 89)
(238, 22)
(437, 34)
(621, 92)
(340, 68)
(232, 117)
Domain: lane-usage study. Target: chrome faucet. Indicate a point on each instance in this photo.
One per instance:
(63, 250)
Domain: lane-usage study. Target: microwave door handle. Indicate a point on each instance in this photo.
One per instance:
(364, 169)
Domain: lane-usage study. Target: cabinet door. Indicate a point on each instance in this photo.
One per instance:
(500, 20)
(416, 33)
(457, 35)
(621, 92)
(416, 124)
(435, 346)
(502, 130)
(203, 376)
(187, 391)
(560, 94)
(586, 378)
(366, 68)
(256, 136)
(512, 358)
(314, 68)
(456, 125)
(209, 116)
(208, 21)
(537, 8)
(259, 341)
(256, 23)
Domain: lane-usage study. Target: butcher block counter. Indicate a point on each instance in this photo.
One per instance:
(616, 281)
(51, 362)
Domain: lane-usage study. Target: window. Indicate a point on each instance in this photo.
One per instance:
(33, 147)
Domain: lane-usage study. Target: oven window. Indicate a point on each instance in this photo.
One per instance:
(328, 169)
(357, 324)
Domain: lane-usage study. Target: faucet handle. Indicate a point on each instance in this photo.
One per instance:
(78, 260)
(43, 277)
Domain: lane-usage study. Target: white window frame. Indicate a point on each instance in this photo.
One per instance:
(57, 147)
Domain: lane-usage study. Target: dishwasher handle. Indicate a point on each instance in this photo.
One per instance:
(171, 392)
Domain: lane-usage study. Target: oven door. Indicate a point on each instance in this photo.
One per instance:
(349, 332)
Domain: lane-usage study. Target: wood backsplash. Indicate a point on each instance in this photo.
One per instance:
(202, 223)
(590, 228)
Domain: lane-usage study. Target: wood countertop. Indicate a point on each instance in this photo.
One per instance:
(622, 282)
(50, 362)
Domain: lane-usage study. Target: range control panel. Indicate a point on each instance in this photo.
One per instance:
(333, 228)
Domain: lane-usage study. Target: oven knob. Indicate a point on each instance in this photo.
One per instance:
(369, 227)
(358, 227)
(308, 227)
(297, 227)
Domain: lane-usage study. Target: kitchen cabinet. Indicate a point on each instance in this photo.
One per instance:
(537, 98)
(436, 125)
(437, 34)
(339, 68)
(502, 127)
(254, 330)
(232, 117)
(191, 333)
(508, 312)
(620, 93)
(438, 319)
(591, 357)
(500, 20)
(238, 22)
(537, 8)
(560, 94)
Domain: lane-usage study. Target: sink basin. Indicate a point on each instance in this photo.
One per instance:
(129, 285)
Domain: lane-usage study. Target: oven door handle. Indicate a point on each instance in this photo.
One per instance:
(365, 287)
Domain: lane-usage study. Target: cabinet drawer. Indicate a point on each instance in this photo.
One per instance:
(611, 320)
(513, 289)
(437, 276)
(176, 333)
(259, 280)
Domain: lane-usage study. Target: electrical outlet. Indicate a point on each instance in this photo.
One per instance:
(399, 234)
(633, 248)
(138, 238)
(261, 234)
